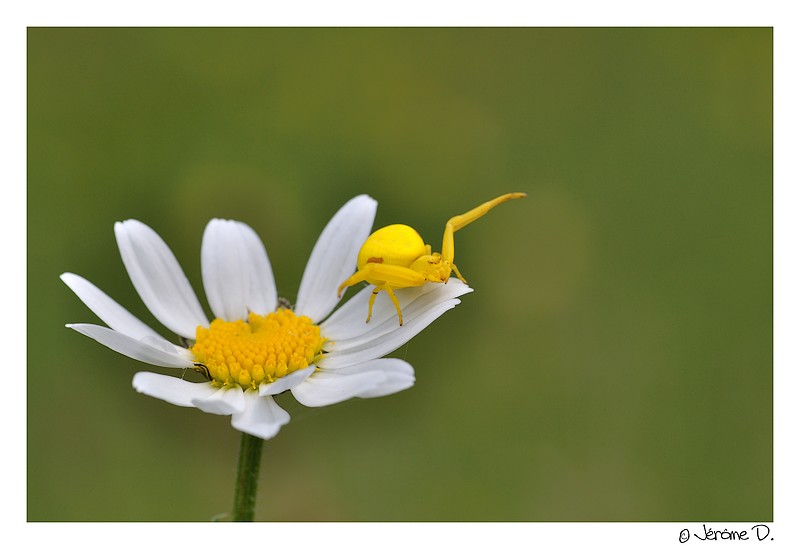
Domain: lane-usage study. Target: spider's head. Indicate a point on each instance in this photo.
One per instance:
(433, 267)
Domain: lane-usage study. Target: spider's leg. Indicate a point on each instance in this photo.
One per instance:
(358, 276)
(460, 221)
(396, 303)
(455, 269)
(372, 297)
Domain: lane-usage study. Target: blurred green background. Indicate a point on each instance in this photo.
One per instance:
(615, 360)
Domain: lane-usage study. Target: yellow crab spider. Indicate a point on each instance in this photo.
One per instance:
(396, 257)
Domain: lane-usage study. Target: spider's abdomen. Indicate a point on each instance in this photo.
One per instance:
(392, 245)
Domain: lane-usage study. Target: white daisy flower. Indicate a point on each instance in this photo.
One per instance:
(255, 348)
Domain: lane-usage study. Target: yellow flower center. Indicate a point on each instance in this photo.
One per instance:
(260, 350)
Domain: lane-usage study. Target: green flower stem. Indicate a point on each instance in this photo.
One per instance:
(244, 500)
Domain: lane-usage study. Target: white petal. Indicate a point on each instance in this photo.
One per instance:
(285, 383)
(133, 348)
(237, 275)
(399, 375)
(262, 416)
(160, 343)
(173, 390)
(158, 278)
(388, 342)
(224, 402)
(347, 326)
(329, 387)
(334, 256)
(109, 311)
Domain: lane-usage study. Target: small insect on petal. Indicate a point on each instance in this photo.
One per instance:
(203, 369)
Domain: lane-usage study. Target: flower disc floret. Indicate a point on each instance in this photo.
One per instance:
(260, 350)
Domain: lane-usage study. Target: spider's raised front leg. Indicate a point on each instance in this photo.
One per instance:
(460, 221)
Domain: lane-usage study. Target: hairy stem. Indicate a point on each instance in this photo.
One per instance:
(244, 501)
